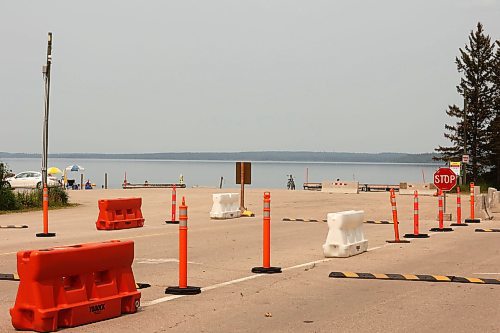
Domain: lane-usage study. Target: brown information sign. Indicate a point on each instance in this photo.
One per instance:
(247, 172)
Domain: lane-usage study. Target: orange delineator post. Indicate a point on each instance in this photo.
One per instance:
(459, 211)
(45, 206)
(441, 214)
(472, 218)
(266, 256)
(416, 233)
(395, 219)
(183, 288)
(68, 286)
(174, 207)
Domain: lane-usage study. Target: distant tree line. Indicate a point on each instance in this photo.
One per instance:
(476, 127)
(280, 156)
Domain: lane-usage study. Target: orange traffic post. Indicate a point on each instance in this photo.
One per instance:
(45, 205)
(472, 218)
(173, 220)
(395, 220)
(266, 261)
(415, 233)
(183, 288)
(441, 215)
(459, 211)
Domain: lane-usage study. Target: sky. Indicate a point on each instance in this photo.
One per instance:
(225, 75)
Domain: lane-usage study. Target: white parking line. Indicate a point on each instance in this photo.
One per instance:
(246, 278)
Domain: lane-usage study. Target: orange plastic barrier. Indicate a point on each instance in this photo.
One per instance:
(74, 285)
(122, 213)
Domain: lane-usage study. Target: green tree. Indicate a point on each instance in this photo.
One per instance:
(7, 197)
(494, 128)
(476, 63)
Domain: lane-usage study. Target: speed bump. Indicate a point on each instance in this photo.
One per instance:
(487, 230)
(12, 226)
(286, 219)
(411, 277)
(378, 222)
(9, 276)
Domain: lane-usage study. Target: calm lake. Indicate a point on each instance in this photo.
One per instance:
(208, 173)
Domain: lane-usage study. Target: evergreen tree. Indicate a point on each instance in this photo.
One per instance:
(476, 63)
(494, 128)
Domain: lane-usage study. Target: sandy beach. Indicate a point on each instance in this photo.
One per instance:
(303, 298)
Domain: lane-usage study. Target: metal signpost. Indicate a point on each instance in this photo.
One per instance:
(46, 78)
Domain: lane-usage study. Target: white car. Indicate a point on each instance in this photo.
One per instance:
(31, 179)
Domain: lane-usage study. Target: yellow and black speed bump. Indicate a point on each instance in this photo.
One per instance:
(286, 219)
(487, 230)
(378, 222)
(9, 277)
(12, 226)
(411, 277)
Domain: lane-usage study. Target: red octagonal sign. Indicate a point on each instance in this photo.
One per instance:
(445, 179)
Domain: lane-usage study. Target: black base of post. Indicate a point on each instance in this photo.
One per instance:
(441, 229)
(266, 270)
(459, 224)
(472, 221)
(48, 234)
(398, 241)
(416, 236)
(172, 222)
(189, 290)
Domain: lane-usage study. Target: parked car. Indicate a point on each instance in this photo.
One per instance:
(31, 179)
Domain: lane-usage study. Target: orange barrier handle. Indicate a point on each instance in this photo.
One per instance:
(459, 206)
(183, 217)
(415, 213)
(472, 200)
(394, 215)
(45, 206)
(440, 204)
(267, 230)
(174, 202)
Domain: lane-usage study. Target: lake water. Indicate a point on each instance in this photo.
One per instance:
(208, 173)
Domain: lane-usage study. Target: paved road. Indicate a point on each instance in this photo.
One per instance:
(303, 298)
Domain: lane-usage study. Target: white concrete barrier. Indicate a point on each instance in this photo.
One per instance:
(345, 234)
(422, 188)
(339, 186)
(225, 206)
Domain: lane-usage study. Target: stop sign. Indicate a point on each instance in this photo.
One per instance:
(445, 179)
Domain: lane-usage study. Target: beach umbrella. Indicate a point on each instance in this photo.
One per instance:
(74, 167)
(54, 170)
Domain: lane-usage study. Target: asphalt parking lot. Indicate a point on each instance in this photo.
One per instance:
(301, 299)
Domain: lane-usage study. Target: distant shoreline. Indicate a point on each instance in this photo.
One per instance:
(265, 156)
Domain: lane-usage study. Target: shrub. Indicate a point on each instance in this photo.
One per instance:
(34, 198)
(8, 200)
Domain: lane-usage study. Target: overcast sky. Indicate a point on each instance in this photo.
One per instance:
(171, 76)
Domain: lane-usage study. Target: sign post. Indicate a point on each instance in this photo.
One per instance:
(243, 176)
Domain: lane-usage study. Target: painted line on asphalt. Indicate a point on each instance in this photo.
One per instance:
(7, 253)
(243, 279)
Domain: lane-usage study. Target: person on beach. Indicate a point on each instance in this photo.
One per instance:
(291, 184)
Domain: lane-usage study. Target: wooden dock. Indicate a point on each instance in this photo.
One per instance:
(152, 185)
(362, 187)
